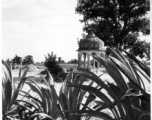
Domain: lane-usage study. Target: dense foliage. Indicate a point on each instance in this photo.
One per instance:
(124, 98)
(116, 22)
(28, 60)
(53, 67)
(17, 60)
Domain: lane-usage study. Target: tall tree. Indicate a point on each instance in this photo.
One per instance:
(28, 60)
(116, 22)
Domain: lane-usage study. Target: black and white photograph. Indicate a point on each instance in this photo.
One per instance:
(76, 59)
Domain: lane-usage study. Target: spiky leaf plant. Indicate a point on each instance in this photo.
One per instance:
(28, 99)
(126, 98)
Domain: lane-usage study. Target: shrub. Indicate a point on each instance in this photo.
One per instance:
(53, 67)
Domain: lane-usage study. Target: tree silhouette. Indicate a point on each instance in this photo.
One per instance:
(52, 65)
(17, 60)
(116, 22)
(59, 60)
(28, 60)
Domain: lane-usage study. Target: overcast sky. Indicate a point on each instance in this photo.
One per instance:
(37, 27)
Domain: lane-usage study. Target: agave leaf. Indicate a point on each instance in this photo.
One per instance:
(141, 72)
(117, 54)
(104, 98)
(94, 92)
(126, 69)
(41, 116)
(75, 94)
(12, 110)
(136, 86)
(139, 95)
(90, 113)
(51, 80)
(129, 77)
(127, 108)
(145, 68)
(138, 76)
(90, 98)
(50, 92)
(100, 105)
(119, 94)
(75, 91)
(48, 101)
(58, 113)
(37, 88)
(139, 79)
(132, 81)
(17, 102)
(100, 83)
(64, 92)
(72, 90)
(24, 74)
(55, 99)
(7, 70)
(86, 107)
(68, 79)
(20, 85)
(146, 115)
(80, 98)
(7, 86)
(113, 72)
(21, 109)
(63, 101)
(124, 61)
(49, 98)
(29, 96)
(45, 81)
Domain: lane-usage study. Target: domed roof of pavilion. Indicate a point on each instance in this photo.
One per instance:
(91, 42)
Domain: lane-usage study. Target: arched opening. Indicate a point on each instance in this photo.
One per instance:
(93, 61)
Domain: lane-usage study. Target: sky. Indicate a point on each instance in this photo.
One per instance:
(38, 27)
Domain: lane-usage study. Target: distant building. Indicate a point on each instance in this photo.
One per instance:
(90, 45)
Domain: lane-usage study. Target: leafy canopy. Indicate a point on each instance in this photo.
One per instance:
(116, 22)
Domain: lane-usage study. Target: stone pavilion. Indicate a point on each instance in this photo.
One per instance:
(90, 45)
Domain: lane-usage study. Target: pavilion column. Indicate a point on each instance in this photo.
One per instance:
(98, 63)
(84, 59)
(93, 63)
(101, 55)
(88, 60)
(79, 59)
